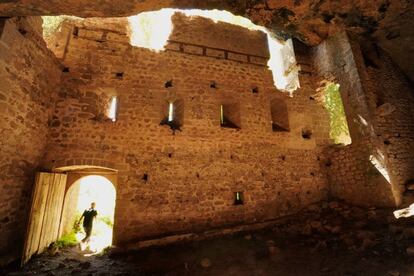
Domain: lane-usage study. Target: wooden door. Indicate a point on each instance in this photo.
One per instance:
(45, 213)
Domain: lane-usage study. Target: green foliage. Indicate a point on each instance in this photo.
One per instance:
(107, 220)
(333, 103)
(67, 240)
(51, 24)
(76, 227)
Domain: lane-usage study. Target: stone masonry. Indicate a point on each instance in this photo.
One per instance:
(54, 110)
(192, 174)
(29, 75)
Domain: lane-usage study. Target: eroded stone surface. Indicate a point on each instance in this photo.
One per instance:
(29, 76)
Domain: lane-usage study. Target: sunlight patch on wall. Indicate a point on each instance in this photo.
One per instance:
(152, 29)
(404, 213)
(379, 163)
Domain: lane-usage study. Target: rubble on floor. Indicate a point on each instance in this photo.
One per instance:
(329, 238)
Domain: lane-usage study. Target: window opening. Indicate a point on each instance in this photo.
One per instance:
(221, 115)
(173, 114)
(230, 116)
(113, 109)
(238, 198)
(339, 131)
(279, 114)
(170, 112)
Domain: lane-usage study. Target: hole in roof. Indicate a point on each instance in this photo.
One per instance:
(152, 30)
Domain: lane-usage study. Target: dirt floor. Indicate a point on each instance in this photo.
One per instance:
(327, 239)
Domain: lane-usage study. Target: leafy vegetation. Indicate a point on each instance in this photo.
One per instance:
(107, 220)
(67, 240)
(339, 130)
(51, 24)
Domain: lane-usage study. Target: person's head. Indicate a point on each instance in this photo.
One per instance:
(93, 204)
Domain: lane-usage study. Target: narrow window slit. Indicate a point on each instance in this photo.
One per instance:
(170, 112)
(238, 198)
(113, 108)
(173, 114)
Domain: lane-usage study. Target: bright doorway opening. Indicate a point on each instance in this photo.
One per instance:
(80, 195)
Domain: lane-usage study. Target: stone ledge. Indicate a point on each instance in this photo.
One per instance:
(198, 236)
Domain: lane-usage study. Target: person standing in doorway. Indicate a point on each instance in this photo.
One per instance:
(88, 216)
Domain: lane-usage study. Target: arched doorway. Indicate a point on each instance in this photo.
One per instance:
(79, 196)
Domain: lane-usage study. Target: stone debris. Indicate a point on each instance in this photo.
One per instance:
(273, 250)
(410, 250)
(85, 265)
(205, 262)
(335, 224)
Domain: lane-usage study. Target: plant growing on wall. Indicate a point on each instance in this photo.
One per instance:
(339, 130)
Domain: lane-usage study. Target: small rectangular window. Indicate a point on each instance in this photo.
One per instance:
(230, 115)
(279, 114)
(113, 109)
(238, 198)
(171, 112)
(2, 23)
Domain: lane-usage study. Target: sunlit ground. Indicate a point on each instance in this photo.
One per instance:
(100, 190)
(405, 213)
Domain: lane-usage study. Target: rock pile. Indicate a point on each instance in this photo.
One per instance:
(335, 224)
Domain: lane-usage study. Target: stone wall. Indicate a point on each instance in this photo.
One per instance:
(29, 75)
(184, 181)
(391, 100)
(350, 172)
(173, 182)
(377, 100)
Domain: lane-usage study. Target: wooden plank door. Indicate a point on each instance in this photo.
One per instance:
(45, 212)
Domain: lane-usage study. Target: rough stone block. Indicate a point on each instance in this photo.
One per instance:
(110, 36)
(258, 60)
(195, 50)
(90, 34)
(237, 57)
(215, 53)
(173, 46)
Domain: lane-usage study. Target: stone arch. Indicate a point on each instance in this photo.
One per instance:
(72, 164)
(72, 193)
